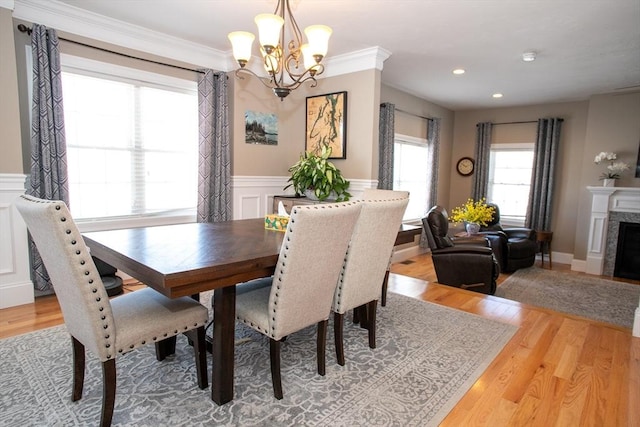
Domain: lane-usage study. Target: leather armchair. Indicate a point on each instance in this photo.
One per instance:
(466, 263)
(513, 247)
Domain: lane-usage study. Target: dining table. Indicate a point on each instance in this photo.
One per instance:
(186, 259)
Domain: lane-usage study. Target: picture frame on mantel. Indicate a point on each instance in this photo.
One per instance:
(326, 124)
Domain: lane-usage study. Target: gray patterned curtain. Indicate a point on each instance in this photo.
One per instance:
(214, 164)
(385, 141)
(433, 156)
(48, 178)
(433, 145)
(542, 180)
(482, 153)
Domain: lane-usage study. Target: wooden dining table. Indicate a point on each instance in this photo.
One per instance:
(185, 259)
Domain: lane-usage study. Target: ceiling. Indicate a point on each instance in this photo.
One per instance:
(584, 47)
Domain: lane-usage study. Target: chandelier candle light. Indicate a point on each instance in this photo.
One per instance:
(614, 168)
(301, 62)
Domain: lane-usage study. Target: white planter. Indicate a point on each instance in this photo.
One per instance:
(608, 182)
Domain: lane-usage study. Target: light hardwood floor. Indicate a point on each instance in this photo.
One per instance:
(558, 370)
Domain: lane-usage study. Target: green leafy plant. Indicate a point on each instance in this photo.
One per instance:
(315, 172)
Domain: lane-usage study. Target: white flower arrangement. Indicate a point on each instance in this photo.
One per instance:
(614, 169)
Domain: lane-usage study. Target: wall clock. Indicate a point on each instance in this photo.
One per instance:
(465, 166)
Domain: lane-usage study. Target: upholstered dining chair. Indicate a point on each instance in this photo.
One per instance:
(106, 328)
(300, 292)
(365, 266)
(380, 194)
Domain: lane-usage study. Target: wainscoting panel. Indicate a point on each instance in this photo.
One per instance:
(16, 287)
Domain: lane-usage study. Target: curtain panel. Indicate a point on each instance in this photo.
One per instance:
(48, 177)
(214, 163)
(385, 142)
(545, 156)
(433, 160)
(480, 183)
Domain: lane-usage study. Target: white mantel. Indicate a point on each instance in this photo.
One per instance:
(605, 200)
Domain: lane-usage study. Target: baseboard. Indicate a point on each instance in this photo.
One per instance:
(636, 323)
(400, 255)
(16, 294)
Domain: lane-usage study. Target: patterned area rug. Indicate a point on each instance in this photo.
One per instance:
(587, 296)
(427, 357)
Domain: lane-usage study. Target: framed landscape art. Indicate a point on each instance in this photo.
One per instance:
(327, 124)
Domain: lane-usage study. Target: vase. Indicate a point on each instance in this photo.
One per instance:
(472, 228)
(608, 182)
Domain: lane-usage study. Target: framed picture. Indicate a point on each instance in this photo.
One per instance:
(327, 124)
(260, 128)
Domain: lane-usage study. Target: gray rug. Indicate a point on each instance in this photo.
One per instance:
(583, 295)
(427, 357)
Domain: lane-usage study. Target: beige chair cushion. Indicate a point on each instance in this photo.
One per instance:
(307, 271)
(88, 314)
(369, 253)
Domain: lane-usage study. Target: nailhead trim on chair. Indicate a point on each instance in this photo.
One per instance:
(94, 290)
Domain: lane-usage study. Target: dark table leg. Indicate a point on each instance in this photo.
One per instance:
(224, 314)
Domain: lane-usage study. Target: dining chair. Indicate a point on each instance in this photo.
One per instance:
(106, 328)
(380, 194)
(300, 292)
(365, 266)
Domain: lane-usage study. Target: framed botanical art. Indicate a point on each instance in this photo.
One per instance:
(327, 124)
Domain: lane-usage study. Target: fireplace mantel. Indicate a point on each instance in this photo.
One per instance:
(605, 200)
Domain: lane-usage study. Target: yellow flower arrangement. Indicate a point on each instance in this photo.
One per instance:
(473, 212)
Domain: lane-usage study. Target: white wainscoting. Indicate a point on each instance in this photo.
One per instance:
(253, 195)
(16, 287)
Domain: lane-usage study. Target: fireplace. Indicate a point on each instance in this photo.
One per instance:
(610, 208)
(627, 263)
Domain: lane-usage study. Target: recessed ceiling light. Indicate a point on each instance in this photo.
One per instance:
(529, 56)
(458, 71)
(497, 95)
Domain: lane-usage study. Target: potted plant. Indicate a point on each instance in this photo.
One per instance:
(316, 177)
(473, 214)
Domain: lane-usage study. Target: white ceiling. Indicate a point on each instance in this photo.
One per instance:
(584, 47)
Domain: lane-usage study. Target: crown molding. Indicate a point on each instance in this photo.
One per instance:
(73, 20)
(360, 60)
(7, 4)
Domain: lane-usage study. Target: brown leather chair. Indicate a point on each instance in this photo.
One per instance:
(513, 247)
(466, 263)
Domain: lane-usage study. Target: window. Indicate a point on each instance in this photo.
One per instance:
(510, 168)
(411, 172)
(132, 141)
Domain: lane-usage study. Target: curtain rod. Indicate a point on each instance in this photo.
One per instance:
(24, 29)
(414, 115)
(515, 123)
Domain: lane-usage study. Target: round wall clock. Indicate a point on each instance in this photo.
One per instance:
(465, 166)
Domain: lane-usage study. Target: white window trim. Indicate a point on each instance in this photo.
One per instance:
(513, 146)
(408, 139)
(85, 66)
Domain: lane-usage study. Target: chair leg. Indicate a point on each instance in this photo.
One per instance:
(108, 391)
(338, 336)
(165, 348)
(197, 336)
(322, 345)
(385, 285)
(78, 369)
(274, 350)
(372, 306)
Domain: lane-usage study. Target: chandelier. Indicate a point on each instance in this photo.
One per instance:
(286, 69)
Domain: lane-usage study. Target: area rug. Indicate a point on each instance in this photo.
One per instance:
(583, 295)
(427, 357)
